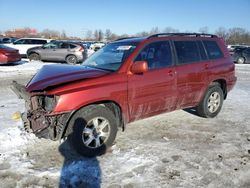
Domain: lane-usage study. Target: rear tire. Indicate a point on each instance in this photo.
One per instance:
(241, 60)
(71, 59)
(93, 130)
(212, 102)
(34, 57)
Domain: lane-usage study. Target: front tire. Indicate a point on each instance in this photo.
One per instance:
(212, 102)
(34, 57)
(93, 130)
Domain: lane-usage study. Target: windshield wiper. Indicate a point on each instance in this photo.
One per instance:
(95, 67)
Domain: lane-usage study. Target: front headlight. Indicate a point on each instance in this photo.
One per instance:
(50, 102)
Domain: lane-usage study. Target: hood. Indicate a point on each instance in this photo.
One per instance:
(52, 75)
(35, 48)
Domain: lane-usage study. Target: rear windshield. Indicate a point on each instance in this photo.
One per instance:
(111, 56)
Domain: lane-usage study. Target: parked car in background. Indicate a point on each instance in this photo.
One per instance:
(96, 46)
(231, 48)
(125, 81)
(63, 51)
(241, 55)
(23, 44)
(8, 40)
(8, 55)
(89, 50)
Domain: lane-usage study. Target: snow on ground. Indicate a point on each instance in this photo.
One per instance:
(24, 67)
(177, 149)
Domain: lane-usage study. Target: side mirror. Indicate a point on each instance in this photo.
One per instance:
(139, 67)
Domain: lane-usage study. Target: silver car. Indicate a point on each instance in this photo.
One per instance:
(62, 51)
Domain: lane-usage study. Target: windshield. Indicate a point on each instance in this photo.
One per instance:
(111, 56)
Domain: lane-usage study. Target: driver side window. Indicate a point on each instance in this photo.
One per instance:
(157, 55)
(22, 41)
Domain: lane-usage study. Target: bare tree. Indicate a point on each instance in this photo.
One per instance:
(170, 30)
(108, 34)
(96, 35)
(89, 35)
(204, 29)
(63, 35)
(100, 35)
(222, 32)
(154, 30)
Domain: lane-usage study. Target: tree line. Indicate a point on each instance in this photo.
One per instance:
(235, 35)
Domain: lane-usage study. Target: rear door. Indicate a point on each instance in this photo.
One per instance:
(192, 67)
(154, 91)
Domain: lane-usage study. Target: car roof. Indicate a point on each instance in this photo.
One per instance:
(139, 39)
(130, 39)
(35, 39)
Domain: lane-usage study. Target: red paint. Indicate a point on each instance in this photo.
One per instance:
(8, 55)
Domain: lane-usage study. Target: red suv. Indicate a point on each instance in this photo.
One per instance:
(127, 80)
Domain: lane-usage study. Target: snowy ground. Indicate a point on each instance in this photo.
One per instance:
(176, 149)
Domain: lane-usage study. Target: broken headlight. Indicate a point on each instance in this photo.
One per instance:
(49, 102)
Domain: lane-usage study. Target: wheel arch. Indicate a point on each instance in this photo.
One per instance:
(32, 52)
(223, 84)
(111, 105)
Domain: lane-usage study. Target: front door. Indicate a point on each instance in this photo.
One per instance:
(154, 91)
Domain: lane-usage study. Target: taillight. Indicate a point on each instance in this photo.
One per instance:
(81, 49)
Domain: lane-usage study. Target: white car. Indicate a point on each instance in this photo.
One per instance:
(23, 44)
(96, 46)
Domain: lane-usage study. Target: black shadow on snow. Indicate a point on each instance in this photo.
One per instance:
(192, 111)
(78, 171)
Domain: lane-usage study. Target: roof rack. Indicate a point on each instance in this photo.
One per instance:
(125, 38)
(183, 34)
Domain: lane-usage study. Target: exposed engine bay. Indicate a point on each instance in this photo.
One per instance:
(38, 118)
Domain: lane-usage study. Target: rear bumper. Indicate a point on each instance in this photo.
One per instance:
(9, 59)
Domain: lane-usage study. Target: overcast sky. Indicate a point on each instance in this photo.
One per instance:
(75, 17)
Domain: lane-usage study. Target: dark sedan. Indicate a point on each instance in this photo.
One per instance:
(241, 55)
(8, 55)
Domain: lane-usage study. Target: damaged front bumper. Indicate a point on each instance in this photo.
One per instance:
(38, 118)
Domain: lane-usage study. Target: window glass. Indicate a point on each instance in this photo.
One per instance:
(213, 50)
(51, 45)
(202, 51)
(64, 45)
(39, 42)
(187, 51)
(72, 46)
(111, 56)
(21, 41)
(157, 55)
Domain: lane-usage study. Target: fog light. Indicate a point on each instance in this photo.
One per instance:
(16, 116)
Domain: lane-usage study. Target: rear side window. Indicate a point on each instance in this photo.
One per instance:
(71, 46)
(213, 50)
(187, 51)
(64, 45)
